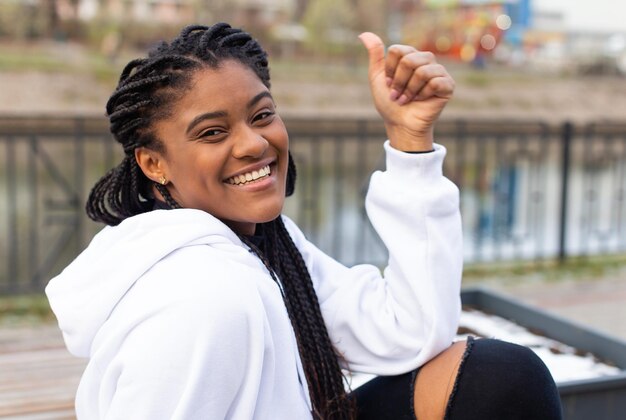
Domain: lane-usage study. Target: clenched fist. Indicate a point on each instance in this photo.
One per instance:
(410, 89)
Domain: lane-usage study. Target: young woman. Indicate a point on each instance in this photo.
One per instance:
(201, 301)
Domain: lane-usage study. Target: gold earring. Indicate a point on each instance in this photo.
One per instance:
(162, 180)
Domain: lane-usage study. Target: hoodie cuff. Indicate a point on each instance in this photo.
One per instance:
(414, 167)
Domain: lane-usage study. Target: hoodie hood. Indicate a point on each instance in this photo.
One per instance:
(83, 296)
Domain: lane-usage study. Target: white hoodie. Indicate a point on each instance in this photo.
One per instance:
(181, 321)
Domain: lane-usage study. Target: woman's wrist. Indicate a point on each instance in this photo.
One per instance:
(409, 140)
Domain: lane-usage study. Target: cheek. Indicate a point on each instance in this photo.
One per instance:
(199, 171)
(278, 132)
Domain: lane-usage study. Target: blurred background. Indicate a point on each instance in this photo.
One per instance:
(536, 135)
(512, 58)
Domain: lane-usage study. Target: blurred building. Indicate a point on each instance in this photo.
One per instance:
(175, 11)
(165, 11)
(545, 35)
(539, 34)
(585, 37)
(468, 30)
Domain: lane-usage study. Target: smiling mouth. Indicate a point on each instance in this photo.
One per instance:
(249, 177)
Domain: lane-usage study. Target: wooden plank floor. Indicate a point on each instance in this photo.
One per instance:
(38, 377)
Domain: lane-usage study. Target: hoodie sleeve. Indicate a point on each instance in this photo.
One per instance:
(393, 322)
(167, 364)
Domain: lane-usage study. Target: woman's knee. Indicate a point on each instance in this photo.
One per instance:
(502, 380)
(434, 382)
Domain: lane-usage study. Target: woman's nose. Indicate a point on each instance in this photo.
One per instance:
(249, 143)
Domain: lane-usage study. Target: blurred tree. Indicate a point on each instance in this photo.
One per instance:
(301, 7)
(29, 19)
(51, 28)
(371, 15)
(331, 25)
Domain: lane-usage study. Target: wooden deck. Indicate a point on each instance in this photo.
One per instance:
(38, 377)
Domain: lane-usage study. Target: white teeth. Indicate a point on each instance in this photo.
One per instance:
(250, 176)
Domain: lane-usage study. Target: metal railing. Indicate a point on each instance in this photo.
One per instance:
(529, 190)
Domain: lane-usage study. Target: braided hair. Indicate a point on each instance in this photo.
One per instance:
(146, 90)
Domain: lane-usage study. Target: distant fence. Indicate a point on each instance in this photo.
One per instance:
(529, 190)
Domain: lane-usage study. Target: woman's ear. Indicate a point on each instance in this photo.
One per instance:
(151, 163)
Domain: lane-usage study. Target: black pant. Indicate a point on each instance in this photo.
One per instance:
(496, 381)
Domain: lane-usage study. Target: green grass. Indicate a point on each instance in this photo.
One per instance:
(102, 69)
(580, 268)
(330, 71)
(495, 76)
(38, 59)
(15, 61)
(476, 79)
(25, 310)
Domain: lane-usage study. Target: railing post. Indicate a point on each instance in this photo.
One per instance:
(79, 180)
(12, 283)
(566, 152)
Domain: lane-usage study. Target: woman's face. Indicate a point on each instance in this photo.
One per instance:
(226, 148)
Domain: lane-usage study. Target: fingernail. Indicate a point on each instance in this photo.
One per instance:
(394, 95)
(403, 99)
(389, 80)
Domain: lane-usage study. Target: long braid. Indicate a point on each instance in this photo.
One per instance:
(146, 90)
(286, 265)
(297, 278)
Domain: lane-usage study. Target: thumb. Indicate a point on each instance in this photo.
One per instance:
(376, 52)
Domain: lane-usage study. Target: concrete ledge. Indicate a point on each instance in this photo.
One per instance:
(598, 398)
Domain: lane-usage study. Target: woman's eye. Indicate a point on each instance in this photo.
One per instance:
(210, 133)
(263, 115)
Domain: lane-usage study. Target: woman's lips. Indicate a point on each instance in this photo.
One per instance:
(250, 177)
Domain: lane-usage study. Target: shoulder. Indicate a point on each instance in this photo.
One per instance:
(190, 305)
(199, 282)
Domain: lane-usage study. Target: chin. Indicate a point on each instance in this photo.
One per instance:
(269, 213)
(269, 216)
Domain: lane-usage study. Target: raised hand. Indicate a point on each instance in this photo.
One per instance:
(410, 89)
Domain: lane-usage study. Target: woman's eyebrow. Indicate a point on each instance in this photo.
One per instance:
(202, 117)
(257, 98)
